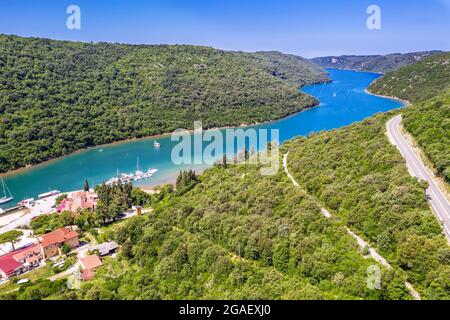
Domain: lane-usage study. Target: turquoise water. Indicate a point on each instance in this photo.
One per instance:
(343, 102)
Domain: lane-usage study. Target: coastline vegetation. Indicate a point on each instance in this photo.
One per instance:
(427, 85)
(234, 235)
(58, 96)
(357, 174)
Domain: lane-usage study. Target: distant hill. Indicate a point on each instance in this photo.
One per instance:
(295, 69)
(373, 63)
(60, 96)
(417, 82)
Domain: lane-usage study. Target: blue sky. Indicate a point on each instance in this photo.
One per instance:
(308, 28)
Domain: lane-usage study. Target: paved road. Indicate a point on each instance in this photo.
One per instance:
(436, 197)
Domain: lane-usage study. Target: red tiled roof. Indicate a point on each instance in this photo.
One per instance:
(7, 262)
(58, 236)
(91, 262)
(33, 259)
(31, 250)
(87, 274)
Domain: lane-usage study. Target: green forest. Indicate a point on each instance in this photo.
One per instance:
(429, 123)
(234, 235)
(357, 174)
(427, 85)
(58, 96)
(417, 82)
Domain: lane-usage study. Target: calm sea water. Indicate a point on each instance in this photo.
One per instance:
(343, 102)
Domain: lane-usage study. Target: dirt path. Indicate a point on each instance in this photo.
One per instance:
(362, 244)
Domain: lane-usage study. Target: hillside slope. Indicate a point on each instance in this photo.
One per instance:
(236, 235)
(362, 178)
(417, 82)
(239, 235)
(372, 63)
(295, 69)
(429, 123)
(427, 85)
(58, 96)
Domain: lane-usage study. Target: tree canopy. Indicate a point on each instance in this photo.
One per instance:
(58, 96)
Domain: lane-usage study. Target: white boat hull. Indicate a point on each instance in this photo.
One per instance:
(6, 200)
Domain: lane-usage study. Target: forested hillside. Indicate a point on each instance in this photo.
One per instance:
(362, 178)
(234, 235)
(373, 63)
(427, 85)
(295, 69)
(429, 123)
(58, 96)
(417, 82)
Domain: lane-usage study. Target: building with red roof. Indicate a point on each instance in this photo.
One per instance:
(78, 201)
(19, 261)
(88, 265)
(52, 242)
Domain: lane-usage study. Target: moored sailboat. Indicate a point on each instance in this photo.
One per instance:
(7, 196)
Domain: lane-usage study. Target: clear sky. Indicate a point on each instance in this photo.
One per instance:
(308, 28)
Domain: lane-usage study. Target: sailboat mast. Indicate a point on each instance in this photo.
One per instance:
(4, 190)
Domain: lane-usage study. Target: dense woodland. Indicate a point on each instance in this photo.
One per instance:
(417, 82)
(427, 85)
(234, 235)
(57, 96)
(362, 178)
(295, 69)
(429, 123)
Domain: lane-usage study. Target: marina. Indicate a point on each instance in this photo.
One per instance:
(127, 178)
(138, 175)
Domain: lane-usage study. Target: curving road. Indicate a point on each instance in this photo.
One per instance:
(436, 197)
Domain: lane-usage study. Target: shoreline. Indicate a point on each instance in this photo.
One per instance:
(160, 135)
(405, 102)
(355, 70)
(170, 180)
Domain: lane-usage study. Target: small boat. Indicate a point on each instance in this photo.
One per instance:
(156, 144)
(26, 202)
(48, 194)
(7, 196)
